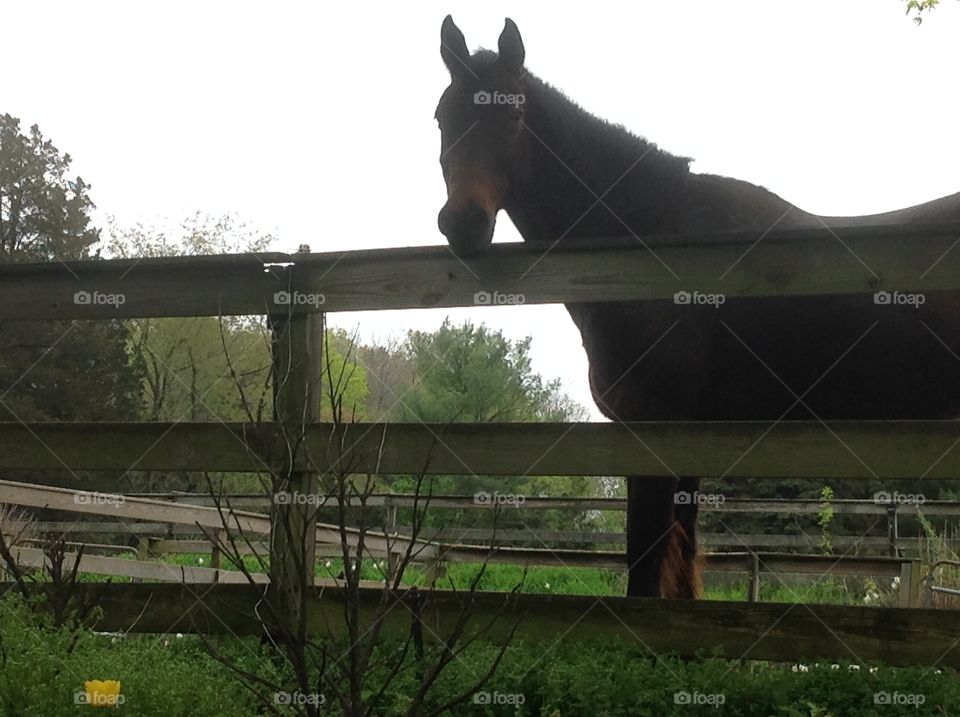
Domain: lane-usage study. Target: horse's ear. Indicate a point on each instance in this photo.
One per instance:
(453, 48)
(510, 46)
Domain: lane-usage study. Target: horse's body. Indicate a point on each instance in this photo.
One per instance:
(845, 357)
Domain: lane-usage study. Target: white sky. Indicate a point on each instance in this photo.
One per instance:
(315, 121)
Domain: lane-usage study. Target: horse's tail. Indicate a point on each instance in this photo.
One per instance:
(680, 571)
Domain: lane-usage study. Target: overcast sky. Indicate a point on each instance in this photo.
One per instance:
(315, 121)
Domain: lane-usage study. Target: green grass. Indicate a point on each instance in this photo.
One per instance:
(558, 580)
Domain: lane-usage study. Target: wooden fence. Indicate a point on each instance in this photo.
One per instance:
(808, 262)
(207, 521)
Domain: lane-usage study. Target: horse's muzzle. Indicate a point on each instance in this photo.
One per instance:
(469, 231)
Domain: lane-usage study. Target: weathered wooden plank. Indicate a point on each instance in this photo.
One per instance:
(483, 535)
(791, 449)
(765, 631)
(719, 562)
(850, 506)
(117, 506)
(554, 537)
(146, 570)
(814, 261)
(139, 569)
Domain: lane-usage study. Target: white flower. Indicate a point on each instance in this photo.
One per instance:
(800, 668)
(179, 635)
(546, 585)
(200, 560)
(855, 668)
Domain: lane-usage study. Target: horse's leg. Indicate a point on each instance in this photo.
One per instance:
(650, 525)
(687, 584)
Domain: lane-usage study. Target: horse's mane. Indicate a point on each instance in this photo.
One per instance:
(597, 151)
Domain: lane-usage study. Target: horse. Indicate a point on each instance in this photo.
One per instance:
(511, 141)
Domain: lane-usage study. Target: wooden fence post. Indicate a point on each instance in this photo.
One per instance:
(753, 579)
(910, 583)
(892, 531)
(390, 528)
(297, 345)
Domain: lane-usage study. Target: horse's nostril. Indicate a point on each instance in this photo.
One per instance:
(445, 221)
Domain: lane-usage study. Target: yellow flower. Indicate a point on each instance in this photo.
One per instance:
(103, 693)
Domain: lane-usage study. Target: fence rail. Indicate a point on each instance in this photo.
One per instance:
(762, 631)
(210, 522)
(789, 449)
(794, 262)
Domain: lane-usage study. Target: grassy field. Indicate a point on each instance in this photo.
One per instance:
(578, 581)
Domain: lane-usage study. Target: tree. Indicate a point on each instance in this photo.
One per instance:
(44, 215)
(217, 368)
(472, 374)
(919, 7)
(469, 373)
(55, 370)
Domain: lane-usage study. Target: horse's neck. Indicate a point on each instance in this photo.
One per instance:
(582, 178)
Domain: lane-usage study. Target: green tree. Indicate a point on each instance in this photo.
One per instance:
(472, 374)
(469, 373)
(55, 370)
(217, 368)
(44, 215)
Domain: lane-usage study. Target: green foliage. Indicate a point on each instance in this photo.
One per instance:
(55, 370)
(44, 668)
(44, 215)
(825, 519)
(472, 374)
(165, 675)
(919, 7)
(345, 391)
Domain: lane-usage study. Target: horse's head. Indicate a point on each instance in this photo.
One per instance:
(481, 122)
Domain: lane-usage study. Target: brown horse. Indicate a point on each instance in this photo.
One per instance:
(510, 141)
